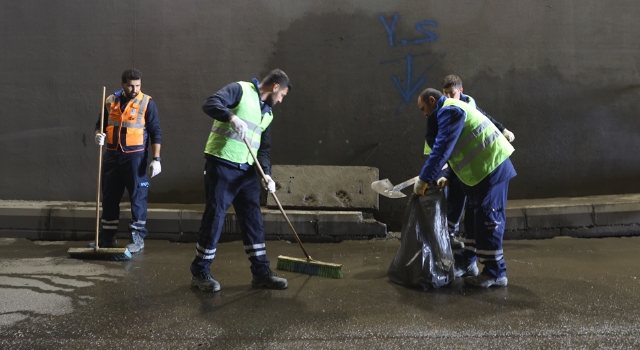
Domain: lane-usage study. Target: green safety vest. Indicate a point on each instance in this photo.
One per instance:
(480, 148)
(225, 143)
(427, 149)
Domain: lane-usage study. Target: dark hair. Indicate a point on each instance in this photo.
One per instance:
(131, 74)
(277, 76)
(451, 81)
(430, 92)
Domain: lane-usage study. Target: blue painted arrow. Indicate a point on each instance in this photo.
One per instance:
(409, 90)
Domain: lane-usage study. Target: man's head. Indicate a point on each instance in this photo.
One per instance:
(428, 100)
(131, 81)
(452, 86)
(274, 87)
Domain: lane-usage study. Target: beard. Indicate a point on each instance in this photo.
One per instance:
(270, 100)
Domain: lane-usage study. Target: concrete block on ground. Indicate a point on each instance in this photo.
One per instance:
(304, 222)
(512, 234)
(323, 186)
(163, 220)
(559, 216)
(73, 218)
(532, 234)
(190, 221)
(602, 231)
(516, 219)
(24, 218)
(349, 224)
(617, 214)
(27, 234)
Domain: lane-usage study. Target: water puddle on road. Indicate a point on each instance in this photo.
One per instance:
(46, 286)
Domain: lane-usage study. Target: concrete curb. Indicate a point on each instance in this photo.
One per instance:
(593, 216)
(76, 221)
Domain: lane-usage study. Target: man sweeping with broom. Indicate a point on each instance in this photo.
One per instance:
(239, 110)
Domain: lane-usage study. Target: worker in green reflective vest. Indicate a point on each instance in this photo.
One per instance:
(478, 153)
(241, 109)
(452, 88)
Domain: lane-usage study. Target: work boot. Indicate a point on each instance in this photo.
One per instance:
(137, 243)
(104, 243)
(465, 270)
(270, 280)
(484, 281)
(455, 243)
(205, 282)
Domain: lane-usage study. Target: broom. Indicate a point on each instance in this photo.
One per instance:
(307, 266)
(97, 252)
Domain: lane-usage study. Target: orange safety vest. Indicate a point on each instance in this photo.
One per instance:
(127, 128)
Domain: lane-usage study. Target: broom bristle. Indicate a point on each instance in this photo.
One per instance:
(112, 254)
(309, 267)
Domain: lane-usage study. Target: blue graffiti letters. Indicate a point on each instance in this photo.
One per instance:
(420, 27)
(430, 36)
(390, 29)
(412, 82)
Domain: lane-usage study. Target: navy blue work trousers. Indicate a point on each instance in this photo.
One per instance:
(484, 224)
(226, 185)
(456, 200)
(120, 171)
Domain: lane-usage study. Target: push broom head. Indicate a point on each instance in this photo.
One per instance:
(113, 254)
(309, 267)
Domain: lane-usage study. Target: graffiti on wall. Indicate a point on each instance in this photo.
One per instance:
(409, 83)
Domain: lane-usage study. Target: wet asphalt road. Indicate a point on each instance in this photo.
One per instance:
(563, 293)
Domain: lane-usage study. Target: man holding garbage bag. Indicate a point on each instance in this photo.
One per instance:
(478, 153)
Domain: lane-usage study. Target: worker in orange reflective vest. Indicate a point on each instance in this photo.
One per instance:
(132, 124)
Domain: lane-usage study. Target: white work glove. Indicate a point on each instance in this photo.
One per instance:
(239, 126)
(154, 168)
(509, 135)
(420, 187)
(443, 181)
(269, 184)
(100, 139)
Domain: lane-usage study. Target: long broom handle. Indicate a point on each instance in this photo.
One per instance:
(104, 90)
(255, 159)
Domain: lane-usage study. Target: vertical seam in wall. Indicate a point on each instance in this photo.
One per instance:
(135, 31)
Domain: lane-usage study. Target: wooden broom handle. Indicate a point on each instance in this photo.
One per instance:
(104, 91)
(255, 159)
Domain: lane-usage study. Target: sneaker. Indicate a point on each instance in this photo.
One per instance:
(269, 280)
(462, 271)
(137, 243)
(104, 243)
(455, 243)
(484, 281)
(205, 282)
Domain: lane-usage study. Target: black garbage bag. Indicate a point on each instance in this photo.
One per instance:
(424, 259)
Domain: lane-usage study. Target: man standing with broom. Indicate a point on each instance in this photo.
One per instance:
(239, 110)
(133, 123)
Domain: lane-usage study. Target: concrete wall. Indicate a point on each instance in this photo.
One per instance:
(561, 74)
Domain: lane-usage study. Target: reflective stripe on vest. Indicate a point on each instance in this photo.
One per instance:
(234, 135)
(225, 143)
(126, 128)
(480, 148)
